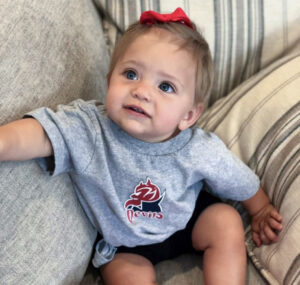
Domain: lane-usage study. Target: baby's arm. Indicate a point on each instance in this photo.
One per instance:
(266, 221)
(24, 139)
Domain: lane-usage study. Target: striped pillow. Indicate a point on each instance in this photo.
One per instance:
(259, 122)
(244, 36)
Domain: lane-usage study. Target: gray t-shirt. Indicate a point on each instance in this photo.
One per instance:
(134, 192)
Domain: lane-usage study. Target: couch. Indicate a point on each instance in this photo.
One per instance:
(53, 52)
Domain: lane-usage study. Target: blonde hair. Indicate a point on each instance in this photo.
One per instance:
(191, 40)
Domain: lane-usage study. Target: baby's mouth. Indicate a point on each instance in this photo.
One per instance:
(138, 110)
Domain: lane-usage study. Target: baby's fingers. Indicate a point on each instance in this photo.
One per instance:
(264, 238)
(275, 225)
(256, 239)
(270, 235)
(275, 215)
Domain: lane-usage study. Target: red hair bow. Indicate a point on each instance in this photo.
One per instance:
(151, 17)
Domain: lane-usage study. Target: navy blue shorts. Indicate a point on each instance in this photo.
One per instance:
(177, 244)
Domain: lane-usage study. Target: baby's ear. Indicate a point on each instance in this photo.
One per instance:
(191, 116)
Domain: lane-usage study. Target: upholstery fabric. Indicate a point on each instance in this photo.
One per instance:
(259, 121)
(244, 36)
(51, 52)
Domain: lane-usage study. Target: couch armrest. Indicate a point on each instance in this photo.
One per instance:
(51, 52)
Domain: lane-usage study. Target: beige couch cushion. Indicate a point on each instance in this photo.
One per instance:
(51, 52)
(244, 36)
(259, 122)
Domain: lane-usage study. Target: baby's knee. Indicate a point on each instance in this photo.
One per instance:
(227, 216)
(229, 224)
(218, 225)
(128, 269)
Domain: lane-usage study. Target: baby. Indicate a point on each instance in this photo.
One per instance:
(138, 163)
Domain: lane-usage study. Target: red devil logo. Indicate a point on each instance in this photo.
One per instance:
(144, 201)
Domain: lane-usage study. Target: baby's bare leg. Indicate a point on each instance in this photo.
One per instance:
(128, 268)
(219, 232)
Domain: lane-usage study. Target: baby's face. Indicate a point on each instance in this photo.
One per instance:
(152, 87)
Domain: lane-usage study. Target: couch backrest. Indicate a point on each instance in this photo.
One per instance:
(244, 36)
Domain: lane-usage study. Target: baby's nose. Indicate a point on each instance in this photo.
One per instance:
(142, 92)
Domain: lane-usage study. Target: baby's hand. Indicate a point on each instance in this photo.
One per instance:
(266, 225)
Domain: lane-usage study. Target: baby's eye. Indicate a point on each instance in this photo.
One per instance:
(130, 74)
(166, 87)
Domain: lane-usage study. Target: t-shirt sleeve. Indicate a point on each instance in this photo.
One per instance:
(226, 175)
(72, 133)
